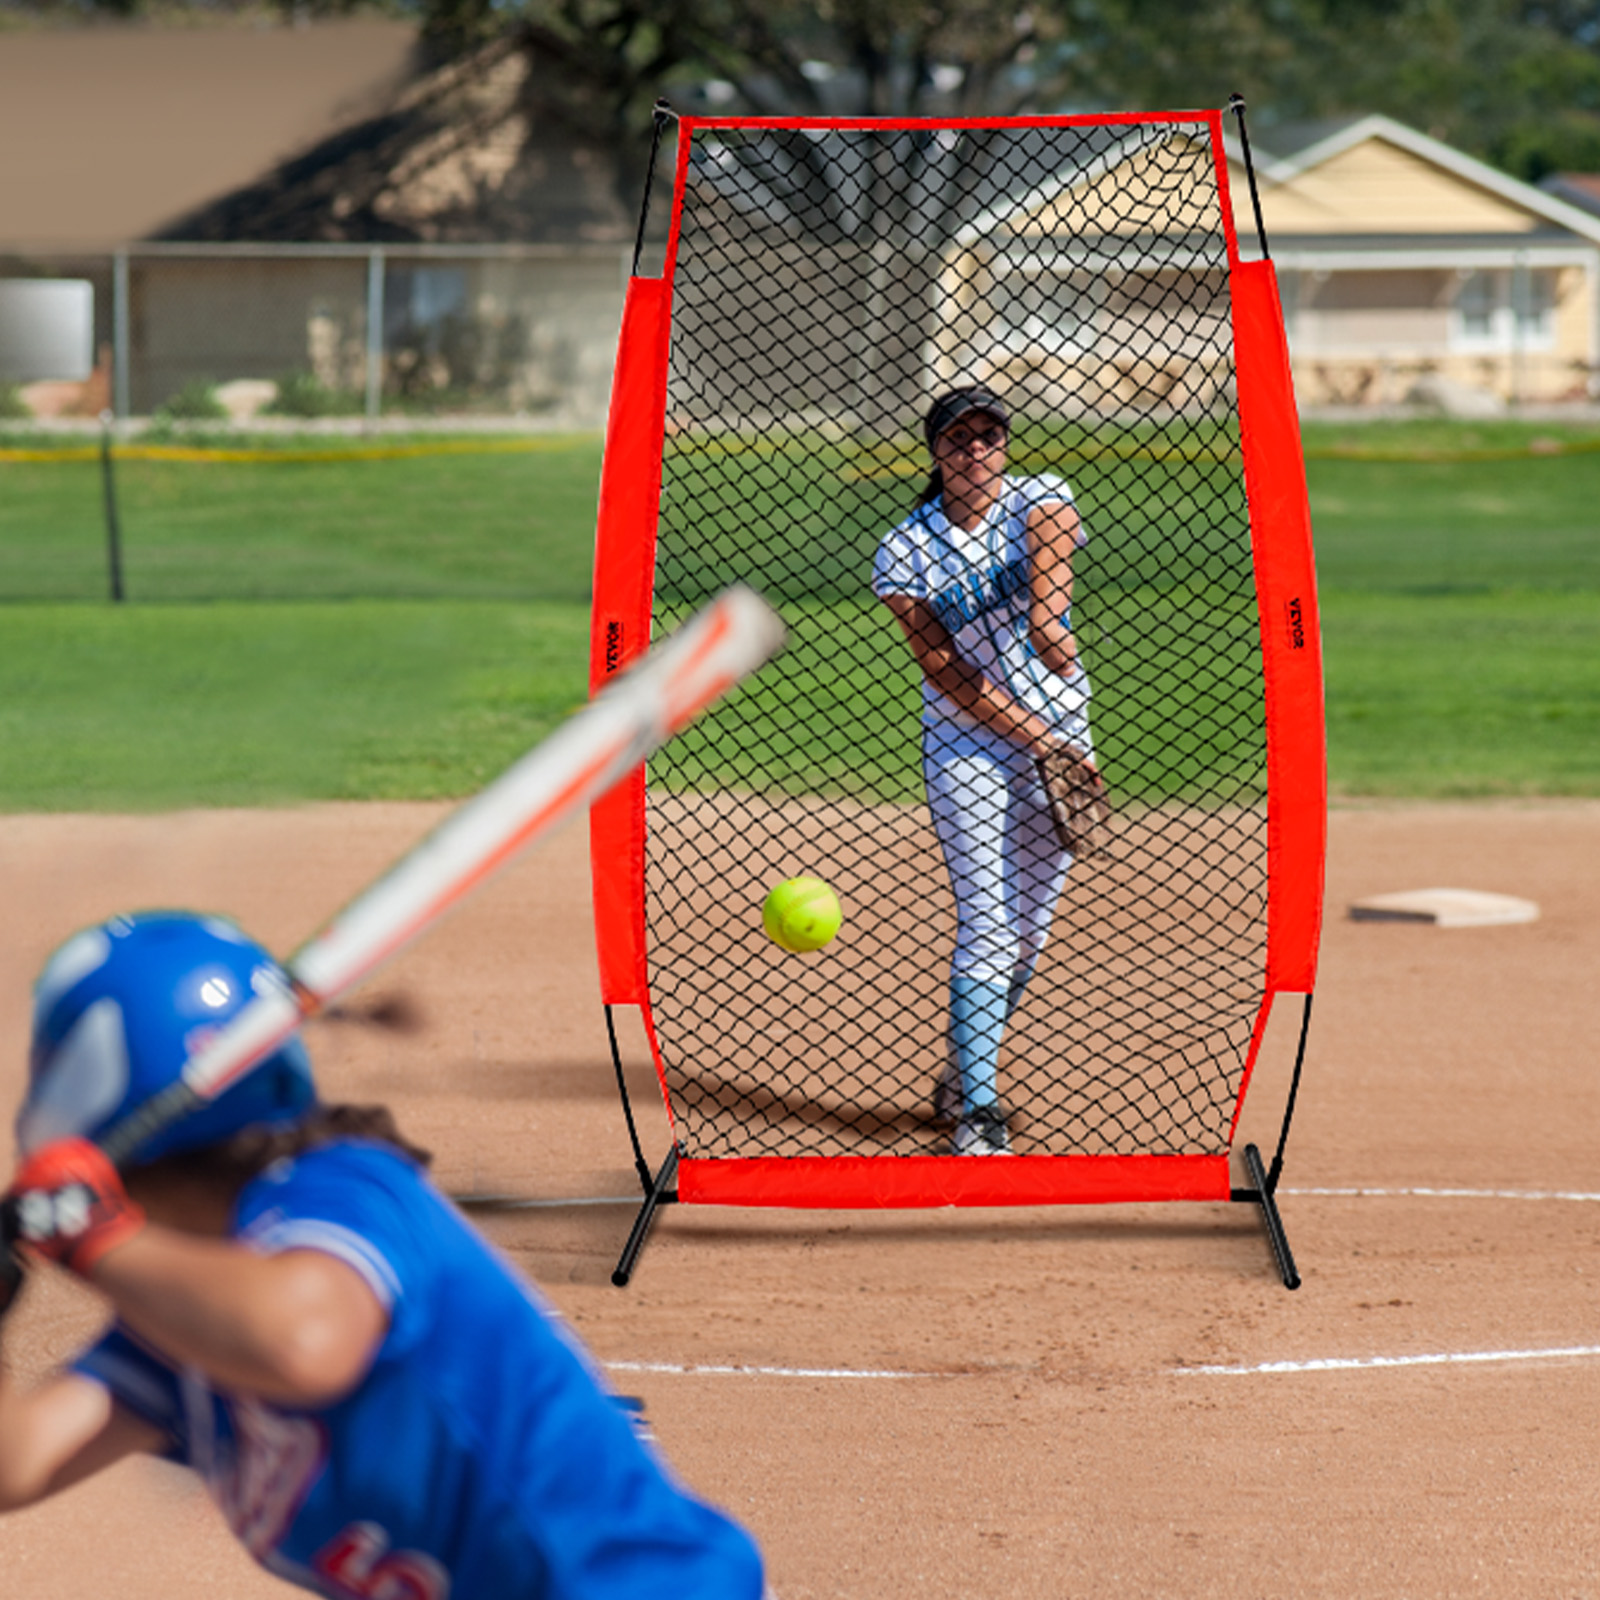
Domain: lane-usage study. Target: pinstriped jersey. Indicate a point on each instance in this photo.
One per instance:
(976, 581)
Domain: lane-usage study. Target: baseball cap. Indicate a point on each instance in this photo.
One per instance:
(950, 408)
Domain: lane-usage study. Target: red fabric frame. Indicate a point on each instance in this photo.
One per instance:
(870, 1182)
(1291, 641)
(624, 577)
(1296, 761)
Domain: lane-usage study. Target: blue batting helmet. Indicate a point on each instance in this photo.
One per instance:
(120, 1007)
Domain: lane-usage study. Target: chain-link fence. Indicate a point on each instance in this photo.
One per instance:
(263, 403)
(202, 332)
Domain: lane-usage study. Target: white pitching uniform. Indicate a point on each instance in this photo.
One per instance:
(989, 807)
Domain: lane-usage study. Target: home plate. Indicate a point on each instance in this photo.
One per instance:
(1445, 908)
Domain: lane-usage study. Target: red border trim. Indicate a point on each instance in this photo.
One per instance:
(680, 174)
(870, 1182)
(893, 124)
(1219, 154)
(1291, 641)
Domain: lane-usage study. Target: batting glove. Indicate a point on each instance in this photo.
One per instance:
(67, 1204)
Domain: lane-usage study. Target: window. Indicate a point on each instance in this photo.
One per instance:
(1475, 306)
(1501, 310)
(1532, 307)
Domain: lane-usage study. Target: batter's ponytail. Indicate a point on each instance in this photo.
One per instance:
(932, 489)
(251, 1151)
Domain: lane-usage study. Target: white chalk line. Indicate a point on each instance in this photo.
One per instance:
(1264, 1368)
(1362, 1192)
(1576, 1352)
(1441, 1358)
(696, 1371)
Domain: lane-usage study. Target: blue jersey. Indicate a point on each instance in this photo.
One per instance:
(478, 1460)
(976, 582)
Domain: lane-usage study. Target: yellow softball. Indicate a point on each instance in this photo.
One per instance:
(801, 914)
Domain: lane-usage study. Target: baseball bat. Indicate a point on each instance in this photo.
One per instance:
(587, 755)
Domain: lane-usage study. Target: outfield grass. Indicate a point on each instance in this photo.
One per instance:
(149, 707)
(428, 617)
(486, 526)
(1463, 695)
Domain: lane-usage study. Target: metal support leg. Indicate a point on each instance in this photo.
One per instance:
(1262, 1195)
(661, 1193)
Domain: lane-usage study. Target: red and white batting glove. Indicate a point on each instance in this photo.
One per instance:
(69, 1205)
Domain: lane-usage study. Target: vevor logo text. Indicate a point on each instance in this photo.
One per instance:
(1297, 624)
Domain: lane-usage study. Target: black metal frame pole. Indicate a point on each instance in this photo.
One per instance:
(1265, 1182)
(108, 483)
(12, 1271)
(661, 1193)
(1276, 1171)
(1269, 1215)
(660, 117)
(658, 1190)
(1264, 1192)
(1236, 106)
(640, 1165)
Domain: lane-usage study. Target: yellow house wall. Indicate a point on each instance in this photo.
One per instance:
(1170, 188)
(1352, 350)
(1574, 316)
(1375, 187)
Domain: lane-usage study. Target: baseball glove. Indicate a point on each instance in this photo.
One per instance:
(1078, 805)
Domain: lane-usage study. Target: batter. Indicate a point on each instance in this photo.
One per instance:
(380, 1406)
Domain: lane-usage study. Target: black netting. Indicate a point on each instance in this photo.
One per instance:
(828, 284)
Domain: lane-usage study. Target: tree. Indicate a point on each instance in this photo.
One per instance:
(1514, 81)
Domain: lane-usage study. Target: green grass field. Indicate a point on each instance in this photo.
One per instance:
(403, 628)
(485, 526)
(107, 708)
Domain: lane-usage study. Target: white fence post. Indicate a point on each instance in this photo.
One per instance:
(121, 385)
(375, 263)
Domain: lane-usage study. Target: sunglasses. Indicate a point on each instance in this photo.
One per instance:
(968, 439)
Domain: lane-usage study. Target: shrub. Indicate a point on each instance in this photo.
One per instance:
(13, 408)
(303, 394)
(196, 401)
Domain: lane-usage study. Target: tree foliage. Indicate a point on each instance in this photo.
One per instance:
(1514, 81)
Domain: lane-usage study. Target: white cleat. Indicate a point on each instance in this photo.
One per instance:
(981, 1132)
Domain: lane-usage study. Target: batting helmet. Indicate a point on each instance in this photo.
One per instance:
(120, 1007)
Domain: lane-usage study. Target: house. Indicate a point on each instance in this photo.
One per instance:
(1403, 262)
(456, 238)
(111, 131)
(397, 234)
(464, 245)
(1086, 268)
(1408, 272)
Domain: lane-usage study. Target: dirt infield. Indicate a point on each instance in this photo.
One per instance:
(971, 1404)
(1132, 1038)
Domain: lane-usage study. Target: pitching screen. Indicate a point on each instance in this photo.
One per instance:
(1114, 558)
